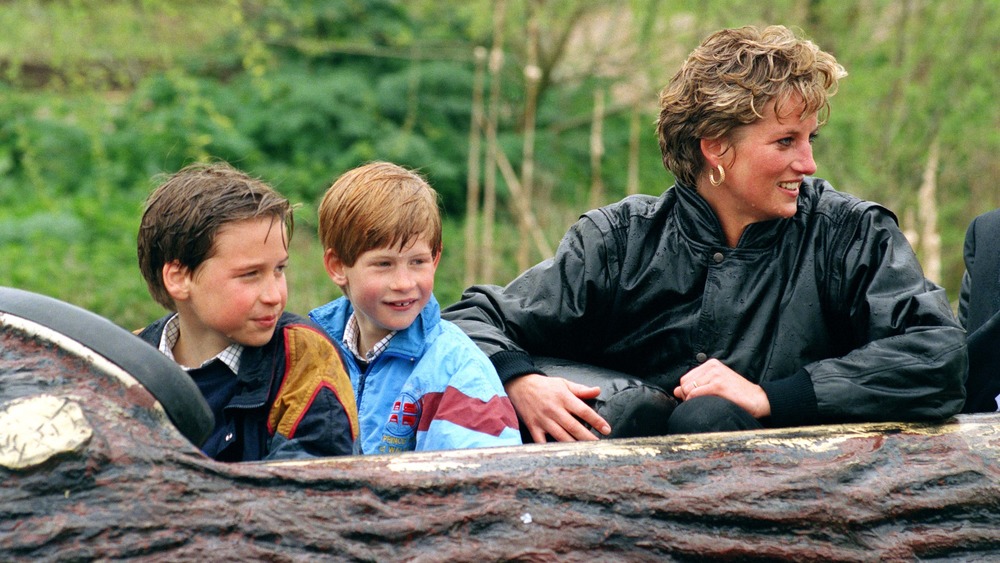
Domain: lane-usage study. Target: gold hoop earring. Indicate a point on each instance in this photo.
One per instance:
(722, 176)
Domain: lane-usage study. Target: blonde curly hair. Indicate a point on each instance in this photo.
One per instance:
(729, 80)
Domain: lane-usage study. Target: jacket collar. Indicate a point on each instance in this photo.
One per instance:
(407, 342)
(255, 375)
(700, 224)
(258, 368)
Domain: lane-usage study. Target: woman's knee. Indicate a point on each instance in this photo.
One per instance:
(710, 414)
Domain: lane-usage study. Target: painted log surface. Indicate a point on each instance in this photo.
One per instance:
(105, 475)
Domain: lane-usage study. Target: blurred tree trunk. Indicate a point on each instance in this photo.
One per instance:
(930, 238)
(557, 34)
(532, 76)
(894, 105)
(472, 247)
(490, 183)
(597, 151)
(521, 205)
(632, 184)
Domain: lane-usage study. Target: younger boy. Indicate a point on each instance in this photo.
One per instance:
(420, 383)
(213, 248)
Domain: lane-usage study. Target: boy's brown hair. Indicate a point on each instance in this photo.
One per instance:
(378, 205)
(183, 215)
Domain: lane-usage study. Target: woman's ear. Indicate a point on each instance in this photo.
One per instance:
(712, 150)
(334, 267)
(177, 280)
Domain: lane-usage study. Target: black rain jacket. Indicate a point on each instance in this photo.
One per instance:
(979, 311)
(828, 311)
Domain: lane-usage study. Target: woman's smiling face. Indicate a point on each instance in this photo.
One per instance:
(765, 163)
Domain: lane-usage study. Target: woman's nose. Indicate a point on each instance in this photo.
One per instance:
(805, 163)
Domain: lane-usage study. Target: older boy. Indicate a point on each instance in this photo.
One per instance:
(420, 383)
(213, 248)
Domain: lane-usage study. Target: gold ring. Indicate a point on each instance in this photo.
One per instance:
(695, 383)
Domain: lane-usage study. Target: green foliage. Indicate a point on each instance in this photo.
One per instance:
(98, 99)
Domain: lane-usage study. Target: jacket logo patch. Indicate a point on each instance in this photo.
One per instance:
(404, 416)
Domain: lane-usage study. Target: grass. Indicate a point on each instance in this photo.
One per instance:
(72, 39)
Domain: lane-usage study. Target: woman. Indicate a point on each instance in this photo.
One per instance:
(755, 292)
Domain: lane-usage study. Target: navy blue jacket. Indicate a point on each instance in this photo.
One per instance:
(979, 311)
(293, 398)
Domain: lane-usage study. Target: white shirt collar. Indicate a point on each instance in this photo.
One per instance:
(352, 337)
(171, 332)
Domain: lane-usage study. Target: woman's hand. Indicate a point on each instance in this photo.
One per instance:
(551, 405)
(715, 378)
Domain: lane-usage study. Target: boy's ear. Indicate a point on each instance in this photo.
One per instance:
(334, 267)
(177, 280)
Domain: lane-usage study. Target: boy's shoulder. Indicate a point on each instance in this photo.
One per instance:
(295, 338)
(292, 325)
(290, 319)
(332, 317)
(460, 363)
(151, 333)
(299, 346)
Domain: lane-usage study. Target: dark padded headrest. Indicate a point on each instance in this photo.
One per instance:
(163, 378)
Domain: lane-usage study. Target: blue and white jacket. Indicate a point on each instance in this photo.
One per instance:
(431, 389)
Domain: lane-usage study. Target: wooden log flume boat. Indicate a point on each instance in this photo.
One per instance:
(97, 462)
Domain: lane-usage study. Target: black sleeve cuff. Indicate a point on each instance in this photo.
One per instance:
(793, 400)
(513, 364)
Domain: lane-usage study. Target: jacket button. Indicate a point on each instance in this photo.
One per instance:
(718, 257)
(229, 436)
(701, 357)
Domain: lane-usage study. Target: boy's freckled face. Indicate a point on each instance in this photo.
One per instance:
(388, 287)
(238, 294)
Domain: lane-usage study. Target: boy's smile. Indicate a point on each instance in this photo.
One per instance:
(388, 287)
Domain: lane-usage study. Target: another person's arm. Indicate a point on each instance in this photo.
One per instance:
(553, 406)
(910, 355)
(552, 309)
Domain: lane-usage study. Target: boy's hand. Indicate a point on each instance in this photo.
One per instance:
(551, 405)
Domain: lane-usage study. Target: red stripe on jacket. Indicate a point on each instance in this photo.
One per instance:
(489, 417)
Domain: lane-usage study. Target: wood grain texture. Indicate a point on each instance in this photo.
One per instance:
(137, 488)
